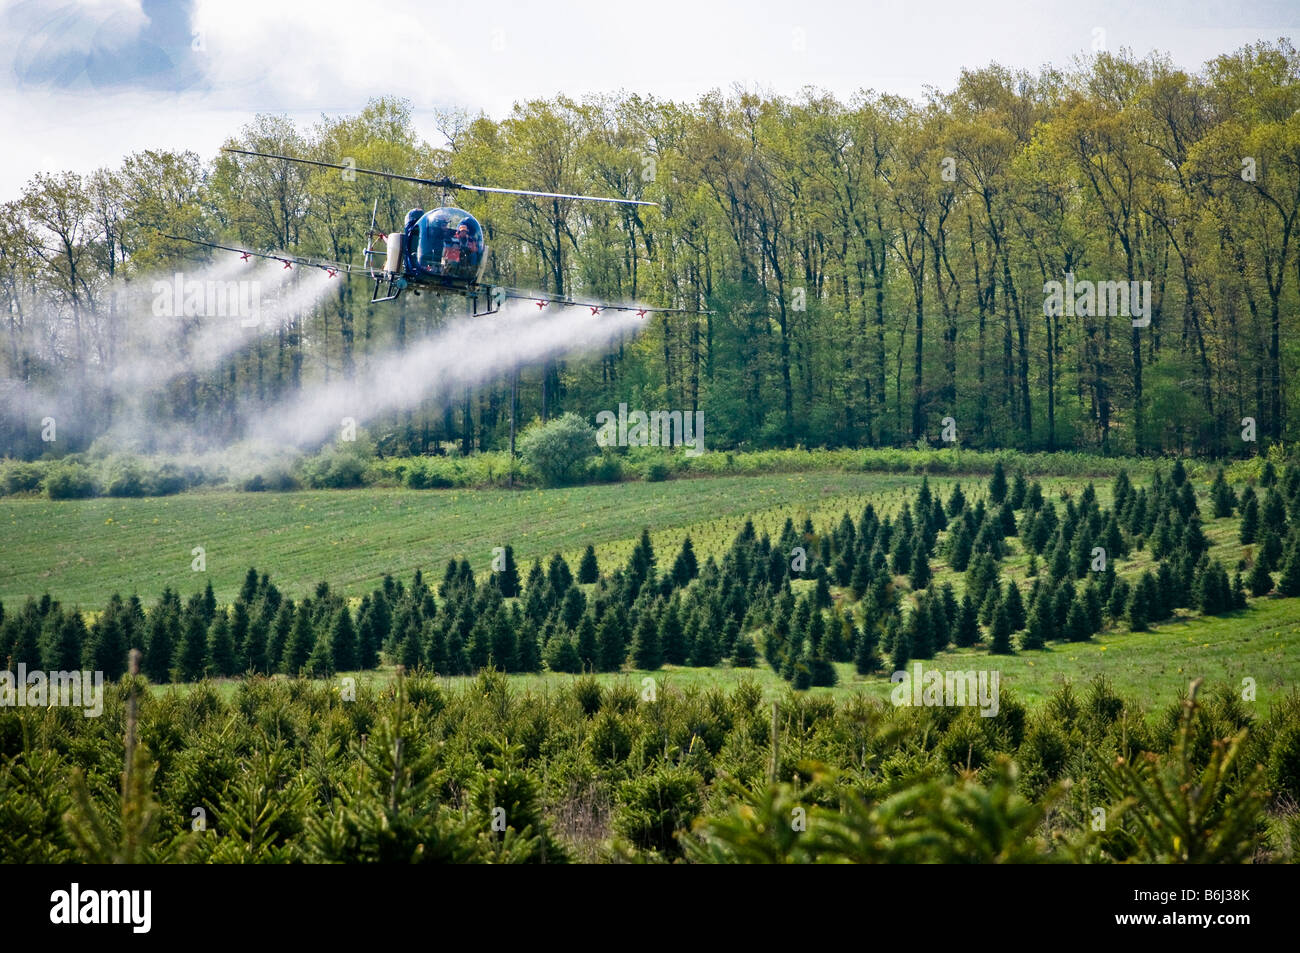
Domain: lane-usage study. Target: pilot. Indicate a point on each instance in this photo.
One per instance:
(457, 248)
(410, 231)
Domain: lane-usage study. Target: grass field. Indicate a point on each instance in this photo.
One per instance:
(84, 550)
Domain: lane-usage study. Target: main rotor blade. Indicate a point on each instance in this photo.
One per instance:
(443, 183)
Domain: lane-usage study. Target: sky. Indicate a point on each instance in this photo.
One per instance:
(83, 83)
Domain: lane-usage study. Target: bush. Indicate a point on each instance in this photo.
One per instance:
(69, 481)
(276, 478)
(657, 472)
(19, 477)
(126, 478)
(168, 479)
(335, 469)
(607, 469)
(558, 451)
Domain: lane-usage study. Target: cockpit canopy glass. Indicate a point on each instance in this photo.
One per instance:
(447, 242)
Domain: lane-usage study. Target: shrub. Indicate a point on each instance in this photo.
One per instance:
(557, 451)
(276, 478)
(68, 481)
(126, 478)
(19, 477)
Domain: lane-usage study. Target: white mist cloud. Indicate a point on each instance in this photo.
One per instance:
(466, 354)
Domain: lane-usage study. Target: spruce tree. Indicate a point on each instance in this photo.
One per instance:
(745, 654)
(647, 653)
(587, 646)
(192, 653)
(1076, 622)
(613, 646)
(1000, 631)
(920, 575)
(685, 567)
(1015, 604)
(968, 626)
(343, 640)
(1145, 595)
(902, 651)
(281, 629)
(507, 580)
(708, 650)
(302, 639)
(588, 570)
(1260, 581)
(998, 483)
(320, 664)
(1249, 521)
(163, 630)
(1221, 496)
(221, 647)
(1288, 584)
(1039, 627)
(562, 655)
(865, 658)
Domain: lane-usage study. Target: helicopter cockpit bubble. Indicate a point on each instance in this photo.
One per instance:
(451, 243)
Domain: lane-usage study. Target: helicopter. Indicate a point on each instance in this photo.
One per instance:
(441, 251)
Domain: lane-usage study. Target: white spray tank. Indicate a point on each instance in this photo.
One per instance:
(393, 261)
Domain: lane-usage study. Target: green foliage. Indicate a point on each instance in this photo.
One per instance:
(557, 451)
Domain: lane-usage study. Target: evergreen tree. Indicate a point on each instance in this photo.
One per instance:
(507, 580)
(343, 640)
(1076, 622)
(1118, 601)
(1019, 489)
(865, 659)
(708, 650)
(588, 570)
(1016, 615)
(1145, 595)
(956, 501)
(221, 647)
(613, 645)
(1260, 581)
(239, 629)
(902, 651)
(320, 663)
(1039, 628)
(672, 635)
(587, 646)
(1249, 520)
(248, 591)
(968, 626)
(1288, 583)
(647, 653)
(920, 575)
(861, 581)
(998, 483)
(1222, 496)
(562, 655)
(192, 653)
(302, 639)
(685, 567)
(529, 650)
(410, 652)
(745, 654)
(1000, 630)
(281, 629)
(163, 633)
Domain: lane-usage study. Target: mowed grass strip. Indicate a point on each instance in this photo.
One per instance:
(82, 551)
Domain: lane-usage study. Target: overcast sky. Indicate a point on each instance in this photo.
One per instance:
(82, 84)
